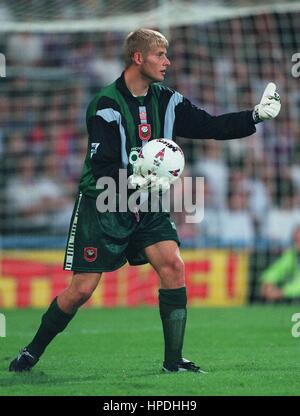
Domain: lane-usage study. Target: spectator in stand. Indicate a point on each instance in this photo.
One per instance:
(248, 180)
(25, 49)
(282, 218)
(235, 224)
(27, 207)
(207, 224)
(213, 167)
(37, 202)
(59, 201)
(281, 280)
(106, 65)
(15, 148)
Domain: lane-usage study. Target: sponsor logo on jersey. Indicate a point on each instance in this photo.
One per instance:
(134, 155)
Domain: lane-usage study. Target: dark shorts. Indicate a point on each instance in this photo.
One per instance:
(102, 242)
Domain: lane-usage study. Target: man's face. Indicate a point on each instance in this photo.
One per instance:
(155, 64)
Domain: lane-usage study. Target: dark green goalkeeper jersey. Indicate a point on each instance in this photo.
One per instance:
(119, 123)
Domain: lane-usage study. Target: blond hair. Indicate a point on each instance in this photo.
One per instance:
(142, 40)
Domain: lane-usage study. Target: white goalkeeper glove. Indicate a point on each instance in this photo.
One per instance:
(137, 180)
(159, 184)
(269, 105)
(147, 183)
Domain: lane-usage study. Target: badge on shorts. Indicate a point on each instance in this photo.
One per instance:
(144, 131)
(90, 254)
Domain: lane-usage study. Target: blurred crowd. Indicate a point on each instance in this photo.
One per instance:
(252, 186)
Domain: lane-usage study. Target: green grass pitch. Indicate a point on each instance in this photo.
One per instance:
(118, 352)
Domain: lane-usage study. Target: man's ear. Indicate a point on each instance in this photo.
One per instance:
(137, 58)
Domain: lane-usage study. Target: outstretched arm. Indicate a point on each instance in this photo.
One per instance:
(195, 123)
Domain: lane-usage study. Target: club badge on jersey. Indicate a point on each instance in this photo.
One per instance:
(144, 127)
(144, 131)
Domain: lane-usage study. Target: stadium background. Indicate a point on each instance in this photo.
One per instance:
(58, 54)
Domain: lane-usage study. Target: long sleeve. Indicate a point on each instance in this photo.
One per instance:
(195, 123)
(105, 150)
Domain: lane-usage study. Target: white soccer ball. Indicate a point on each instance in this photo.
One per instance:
(163, 158)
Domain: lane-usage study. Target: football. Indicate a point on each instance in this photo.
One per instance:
(162, 157)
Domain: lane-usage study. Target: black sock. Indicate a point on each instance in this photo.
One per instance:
(54, 321)
(172, 307)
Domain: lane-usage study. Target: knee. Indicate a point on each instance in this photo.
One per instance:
(84, 293)
(172, 273)
(81, 293)
(78, 292)
(177, 266)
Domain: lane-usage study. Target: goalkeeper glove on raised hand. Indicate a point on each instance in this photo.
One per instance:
(269, 105)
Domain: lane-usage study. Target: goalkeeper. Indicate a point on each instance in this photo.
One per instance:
(120, 119)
